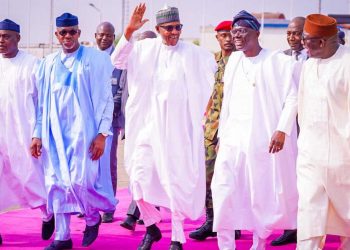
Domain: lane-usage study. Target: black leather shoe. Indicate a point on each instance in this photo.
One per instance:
(289, 236)
(238, 234)
(129, 223)
(107, 218)
(206, 230)
(149, 238)
(140, 222)
(203, 232)
(47, 228)
(0, 240)
(91, 233)
(175, 245)
(60, 245)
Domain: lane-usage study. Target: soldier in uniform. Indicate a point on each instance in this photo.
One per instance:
(211, 124)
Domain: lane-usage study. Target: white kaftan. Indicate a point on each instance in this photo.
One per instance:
(253, 189)
(323, 166)
(169, 87)
(75, 104)
(21, 176)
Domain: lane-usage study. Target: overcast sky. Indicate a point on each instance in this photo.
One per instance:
(34, 15)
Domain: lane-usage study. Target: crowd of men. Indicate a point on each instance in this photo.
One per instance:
(260, 139)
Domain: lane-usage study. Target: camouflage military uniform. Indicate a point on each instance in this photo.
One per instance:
(212, 124)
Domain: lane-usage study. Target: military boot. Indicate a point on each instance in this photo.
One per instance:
(206, 230)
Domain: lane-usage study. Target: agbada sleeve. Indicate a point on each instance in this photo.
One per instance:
(290, 108)
(121, 53)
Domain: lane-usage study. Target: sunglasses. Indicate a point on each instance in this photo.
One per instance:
(70, 32)
(170, 28)
(240, 31)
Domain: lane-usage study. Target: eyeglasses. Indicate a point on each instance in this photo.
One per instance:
(241, 31)
(170, 28)
(307, 39)
(70, 32)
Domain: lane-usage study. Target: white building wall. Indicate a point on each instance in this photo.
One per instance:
(274, 38)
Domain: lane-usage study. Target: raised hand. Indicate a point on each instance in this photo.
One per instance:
(136, 20)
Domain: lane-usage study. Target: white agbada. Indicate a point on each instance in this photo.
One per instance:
(21, 176)
(253, 189)
(323, 166)
(169, 87)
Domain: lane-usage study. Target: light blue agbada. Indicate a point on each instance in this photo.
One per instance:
(74, 106)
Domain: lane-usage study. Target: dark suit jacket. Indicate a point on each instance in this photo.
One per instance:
(117, 90)
(288, 52)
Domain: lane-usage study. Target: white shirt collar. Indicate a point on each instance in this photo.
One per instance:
(108, 50)
(302, 55)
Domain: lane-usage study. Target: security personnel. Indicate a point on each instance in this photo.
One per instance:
(224, 37)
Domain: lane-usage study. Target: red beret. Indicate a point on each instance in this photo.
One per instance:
(224, 25)
(320, 25)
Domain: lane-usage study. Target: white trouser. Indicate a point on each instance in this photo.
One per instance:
(151, 215)
(317, 243)
(62, 222)
(92, 219)
(226, 239)
(44, 215)
(177, 227)
(344, 243)
(258, 243)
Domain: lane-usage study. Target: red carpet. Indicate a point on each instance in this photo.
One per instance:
(21, 230)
